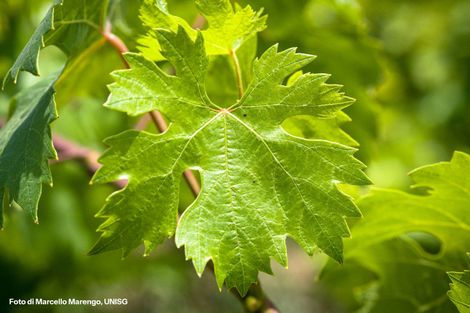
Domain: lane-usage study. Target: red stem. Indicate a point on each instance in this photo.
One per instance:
(67, 150)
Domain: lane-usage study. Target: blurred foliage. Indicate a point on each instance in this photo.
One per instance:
(406, 62)
(401, 250)
(425, 95)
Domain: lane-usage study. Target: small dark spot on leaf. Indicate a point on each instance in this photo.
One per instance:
(244, 115)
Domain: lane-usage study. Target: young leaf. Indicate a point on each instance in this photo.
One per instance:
(438, 226)
(459, 291)
(259, 183)
(229, 27)
(26, 146)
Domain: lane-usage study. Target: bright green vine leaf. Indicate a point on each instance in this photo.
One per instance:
(460, 290)
(259, 183)
(26, 146)
(70, 26)
(229, 26)
(438, 225)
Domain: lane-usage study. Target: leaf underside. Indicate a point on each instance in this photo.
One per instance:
(259, 183)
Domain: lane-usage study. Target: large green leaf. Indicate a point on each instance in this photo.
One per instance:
(229, 27)
(25, 147)
(70, 25)
(259, 183)
(460, 290)
(438, 225)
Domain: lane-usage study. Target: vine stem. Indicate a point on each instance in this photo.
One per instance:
(68, 150)
(255, 301)
(238, 72)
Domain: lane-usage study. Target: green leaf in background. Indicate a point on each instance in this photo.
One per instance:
(394, 276)
(443, 213)
(434, 228)
(26, 147)
(75, 28)
(28, 58)
(460, 290)
(259, 183)
(69, 26)
(229, 27)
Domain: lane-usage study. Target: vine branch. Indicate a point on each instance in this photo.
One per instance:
(68, 150)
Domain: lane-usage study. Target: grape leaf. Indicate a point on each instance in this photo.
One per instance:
(72, 27)
(67, 25)
(28, 58)
(459, 291)
(441, 220)
(443, 213)
(393, 276)
(229, 27)
(259, 183)
(25, 147)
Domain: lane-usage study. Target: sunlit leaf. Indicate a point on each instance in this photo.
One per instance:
(259, 183)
